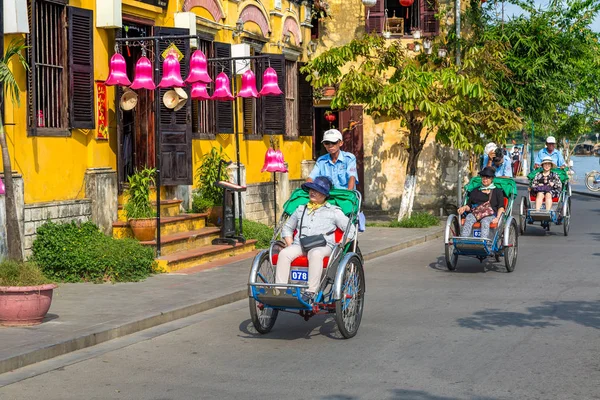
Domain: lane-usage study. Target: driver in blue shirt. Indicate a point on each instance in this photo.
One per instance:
(337, 165)
(495, 157)
(550, 151)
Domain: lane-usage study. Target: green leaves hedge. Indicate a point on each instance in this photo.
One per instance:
(82, 253)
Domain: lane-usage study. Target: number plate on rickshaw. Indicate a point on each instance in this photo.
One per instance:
(477, 233)
(299, 275)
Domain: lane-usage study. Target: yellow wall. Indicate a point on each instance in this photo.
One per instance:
(54, 168)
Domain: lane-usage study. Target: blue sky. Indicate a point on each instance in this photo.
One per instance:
(510, 9)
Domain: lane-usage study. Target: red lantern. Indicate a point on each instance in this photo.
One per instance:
(329, 117)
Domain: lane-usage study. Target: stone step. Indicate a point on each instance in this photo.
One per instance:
(184, 241)
(168, 208)
(169, 225)
(192, 258)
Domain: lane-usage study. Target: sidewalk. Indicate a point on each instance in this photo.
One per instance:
(84, 315)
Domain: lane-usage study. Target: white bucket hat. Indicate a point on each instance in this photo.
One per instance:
(548, 159)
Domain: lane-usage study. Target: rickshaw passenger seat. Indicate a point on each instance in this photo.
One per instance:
(302, 261)
(477, 225)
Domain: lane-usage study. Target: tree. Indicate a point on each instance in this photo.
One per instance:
(8, 81)
(428, 95)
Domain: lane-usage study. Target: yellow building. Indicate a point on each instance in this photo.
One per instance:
(73, 146)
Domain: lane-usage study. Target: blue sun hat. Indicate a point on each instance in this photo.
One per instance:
(321, 184)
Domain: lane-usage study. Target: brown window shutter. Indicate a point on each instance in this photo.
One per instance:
(306, 114)
(81, 67)
(375, 17)
(273, 107)
(224, 109)
(429, 23)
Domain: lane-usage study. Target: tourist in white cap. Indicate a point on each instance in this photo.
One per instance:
(550, 151)
(494, 157)
(337, 165)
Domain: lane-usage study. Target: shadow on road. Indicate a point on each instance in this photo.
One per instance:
(468, 265)
(550, 313)
(404, 394)
(293, 327)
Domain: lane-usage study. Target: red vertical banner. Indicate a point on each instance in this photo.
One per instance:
(102, 126)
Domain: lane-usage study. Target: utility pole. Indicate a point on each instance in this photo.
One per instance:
(457, 21)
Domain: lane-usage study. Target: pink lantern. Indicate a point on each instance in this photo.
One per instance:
(222, 91)
(248, 85)
(199, 91)
(198, 68)
(2, 188)
(171, 73)
(270, 87)
(274, 161)
(281, 162)
(118, 71)
(143, 75)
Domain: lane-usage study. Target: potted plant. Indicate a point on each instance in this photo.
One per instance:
(25, 293)
(208, 176)
(138, 209)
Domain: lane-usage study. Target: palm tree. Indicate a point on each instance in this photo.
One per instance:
(9, 83)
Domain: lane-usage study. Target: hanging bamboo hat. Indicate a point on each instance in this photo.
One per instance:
(129, 100)
(183, 97)
(175, 99)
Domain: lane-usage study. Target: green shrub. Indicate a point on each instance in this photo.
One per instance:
(138, 203)
(81, 253)
(15, 273)
(261, 232)
(200, 204)
(208, 175)
(416, 220)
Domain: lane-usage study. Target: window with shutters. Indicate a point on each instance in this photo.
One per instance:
(203, 111)
(291, 100)
(251, 107)
(393, 17)
(60, 80)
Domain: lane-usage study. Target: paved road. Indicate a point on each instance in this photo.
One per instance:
(427, 334)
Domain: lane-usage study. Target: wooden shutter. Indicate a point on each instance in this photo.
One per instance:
(429, 23)
(81, 67)
(375, 17)
(175, 128)
(273, 107)
(223, 109)
(306, 114)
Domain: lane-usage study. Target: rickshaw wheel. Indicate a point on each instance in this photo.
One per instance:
(452, 231)
(567, 217)
(263, 318)
(523, 215)
(349, 309)
(510, 253)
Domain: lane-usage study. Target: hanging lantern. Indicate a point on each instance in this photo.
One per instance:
(270, 86)
(329, 117)
(199, 91)
(406, 3)
(198, 68)
(171, 73)
(143, 75)
(248, 85)
(222, 91)
(118, 71)
(273, 161)
(2, 187)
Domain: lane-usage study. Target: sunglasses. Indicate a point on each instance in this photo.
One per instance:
(329, 143)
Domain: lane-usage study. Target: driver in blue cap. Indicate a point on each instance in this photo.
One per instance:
(318, 217)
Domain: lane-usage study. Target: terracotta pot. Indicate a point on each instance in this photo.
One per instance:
(144, 229)
(25, 305)
(215, 214)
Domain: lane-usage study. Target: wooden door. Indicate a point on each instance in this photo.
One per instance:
(175, 128)
(351, 126)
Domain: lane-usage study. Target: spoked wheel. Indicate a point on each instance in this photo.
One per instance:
(523, 215)
(452, 231)
(566, 220)
(349, 309)
(510, 251)
(592, 181)
(263, 318)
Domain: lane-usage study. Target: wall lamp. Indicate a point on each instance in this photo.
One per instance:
(239, 28)
(312, 48)
(286, 40)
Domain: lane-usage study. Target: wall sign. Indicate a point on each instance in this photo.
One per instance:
(158, 3)
(102, 126)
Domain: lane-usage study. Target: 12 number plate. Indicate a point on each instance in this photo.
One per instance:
(299, 275)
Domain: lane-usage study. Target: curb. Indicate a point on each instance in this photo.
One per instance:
(92, 339)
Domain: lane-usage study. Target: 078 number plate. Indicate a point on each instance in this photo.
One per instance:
(299, 275)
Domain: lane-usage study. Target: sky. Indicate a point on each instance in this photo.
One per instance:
(511, 9)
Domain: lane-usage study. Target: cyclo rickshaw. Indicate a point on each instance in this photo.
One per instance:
(504, 241)
(560, 213)
(342, 287)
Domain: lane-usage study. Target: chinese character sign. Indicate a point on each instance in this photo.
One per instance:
(102, 130)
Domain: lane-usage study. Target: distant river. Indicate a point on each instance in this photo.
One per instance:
(583, 165)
